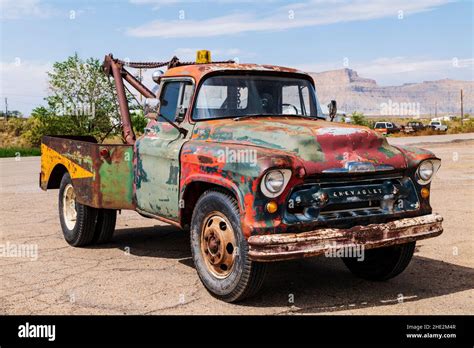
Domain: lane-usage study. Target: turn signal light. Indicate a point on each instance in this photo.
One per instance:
(271, 207)
(425, 192)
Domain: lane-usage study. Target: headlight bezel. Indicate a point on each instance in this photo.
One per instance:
(422, 178)
(286, 175)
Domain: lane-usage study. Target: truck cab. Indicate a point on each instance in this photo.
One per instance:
(236, 154)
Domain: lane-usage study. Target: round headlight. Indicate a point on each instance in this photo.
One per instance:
(274, 181)
(426, 170)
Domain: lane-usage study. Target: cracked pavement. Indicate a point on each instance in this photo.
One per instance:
(147, 268)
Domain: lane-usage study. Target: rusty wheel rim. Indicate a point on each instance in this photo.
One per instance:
(218, 244)
(69, 206)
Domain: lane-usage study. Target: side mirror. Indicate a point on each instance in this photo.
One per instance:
(332, 107)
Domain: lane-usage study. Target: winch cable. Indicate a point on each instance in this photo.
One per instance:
(172, 63)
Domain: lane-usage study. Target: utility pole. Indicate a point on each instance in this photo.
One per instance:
(6, 109)
(462, 109)
(140, 78)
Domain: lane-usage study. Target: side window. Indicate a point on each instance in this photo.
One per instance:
(389, 125)
(175, 99)
(169, 100)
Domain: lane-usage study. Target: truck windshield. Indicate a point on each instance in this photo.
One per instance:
(254, 95)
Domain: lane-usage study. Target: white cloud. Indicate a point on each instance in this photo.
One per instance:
(298, 15)
(399, 70)
(18, 9)
(24, 83)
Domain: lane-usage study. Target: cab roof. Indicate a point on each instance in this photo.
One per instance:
(199, 71)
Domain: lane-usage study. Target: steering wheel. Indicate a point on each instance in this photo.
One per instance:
(290, 106)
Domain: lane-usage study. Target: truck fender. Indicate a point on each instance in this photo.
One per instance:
(215, 180)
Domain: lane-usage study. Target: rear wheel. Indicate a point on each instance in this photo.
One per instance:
(382, 263)
(220, 251)
(78, 221)
(105, 226)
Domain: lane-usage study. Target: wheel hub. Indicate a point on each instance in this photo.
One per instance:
(218, 244)
(69, 206)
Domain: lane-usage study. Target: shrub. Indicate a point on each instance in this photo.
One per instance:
(358, 118)
(19, 151)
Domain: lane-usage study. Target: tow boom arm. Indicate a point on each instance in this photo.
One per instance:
(115, 68)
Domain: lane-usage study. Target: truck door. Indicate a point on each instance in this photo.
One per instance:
(157, 168)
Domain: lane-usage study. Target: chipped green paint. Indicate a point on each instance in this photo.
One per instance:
(388, 150)
(84, 161)
(140, 174)
(116, 177)
(157, 175)
(297, 139)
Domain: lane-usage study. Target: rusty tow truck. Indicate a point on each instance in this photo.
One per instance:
(240, 155)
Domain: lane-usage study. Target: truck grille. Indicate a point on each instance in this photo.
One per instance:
(327, 201)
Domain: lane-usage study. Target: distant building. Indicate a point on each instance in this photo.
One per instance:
(444, 118)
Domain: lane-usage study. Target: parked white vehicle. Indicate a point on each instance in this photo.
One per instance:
(437, 125)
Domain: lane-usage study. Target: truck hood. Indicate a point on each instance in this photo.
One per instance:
(320, 145)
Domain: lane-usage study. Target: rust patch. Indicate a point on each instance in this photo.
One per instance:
(277, 247)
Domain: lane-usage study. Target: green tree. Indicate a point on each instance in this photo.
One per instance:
(82, 92)
(82, 102)
(139, 121)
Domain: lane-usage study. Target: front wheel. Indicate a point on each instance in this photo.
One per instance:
(381, 263)
(220, 251)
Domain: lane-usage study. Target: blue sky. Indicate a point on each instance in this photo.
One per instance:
(394, 42)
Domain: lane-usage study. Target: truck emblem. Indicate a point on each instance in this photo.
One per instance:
(358, 167)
